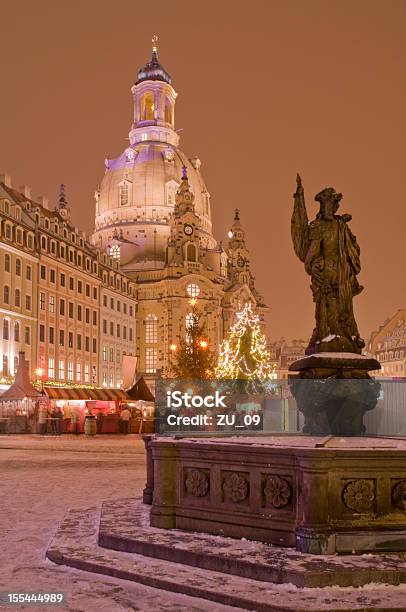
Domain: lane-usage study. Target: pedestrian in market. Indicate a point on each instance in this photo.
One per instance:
(125, 417)
(42, 419)
(99, 421)
(58, 419)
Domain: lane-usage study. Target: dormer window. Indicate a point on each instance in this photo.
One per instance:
(124, 193)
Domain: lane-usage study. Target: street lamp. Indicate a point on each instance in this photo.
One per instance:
(39, 372)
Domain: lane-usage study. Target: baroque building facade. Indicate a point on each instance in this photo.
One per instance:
(388, 346)
(153, 214)
(59, 296)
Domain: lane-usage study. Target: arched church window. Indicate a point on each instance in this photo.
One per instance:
(151, 329)
(147, 107)
(193, 290)
(171, 188)
(168, 111)
(124, 195)
(115, 251)
(191, 254)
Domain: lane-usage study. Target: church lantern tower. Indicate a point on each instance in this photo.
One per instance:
(136, 196)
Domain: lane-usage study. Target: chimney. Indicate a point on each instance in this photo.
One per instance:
(6, 179)
(26, 191)
(43, 201)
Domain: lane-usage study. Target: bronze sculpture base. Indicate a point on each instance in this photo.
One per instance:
(318, 495)
(333, 391)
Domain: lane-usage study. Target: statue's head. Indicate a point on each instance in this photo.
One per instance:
(329, 202)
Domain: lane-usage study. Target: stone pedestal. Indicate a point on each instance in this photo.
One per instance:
(149, 485)
(333, 391)
(330, 495)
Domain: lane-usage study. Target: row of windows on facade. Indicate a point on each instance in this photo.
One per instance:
(391, 355)
(10, 368)
(49, 224)
(111, 280)
(16, 331)
(70, 339)
(70, 255)
(118, 329)
(109, 352)
(18, 236)
(79, 288)
(52, 304)
(110, 380)
(17, 298)
(151, 327)
(62, 309)
(18, 267)
(70, 371)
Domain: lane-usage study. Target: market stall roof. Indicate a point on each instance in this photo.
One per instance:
(83, 393)
(141, 391)
(21, 387)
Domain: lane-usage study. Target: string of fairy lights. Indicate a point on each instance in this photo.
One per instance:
(243, 354)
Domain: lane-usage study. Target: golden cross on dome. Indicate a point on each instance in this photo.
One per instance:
(155, 43)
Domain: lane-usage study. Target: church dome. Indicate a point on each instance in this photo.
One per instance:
(137, 193)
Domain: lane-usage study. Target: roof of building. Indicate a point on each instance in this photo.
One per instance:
(153, 70)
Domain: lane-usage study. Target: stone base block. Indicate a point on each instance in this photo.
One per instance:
(321, 496)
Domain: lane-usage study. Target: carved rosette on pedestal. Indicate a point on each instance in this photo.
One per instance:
(197, 482)
(399, 495)
(359, 495)
(235, 487)
(277, 491)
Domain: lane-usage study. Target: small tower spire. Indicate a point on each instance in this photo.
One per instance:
(155, 48)
(184, 196)
(63, 208)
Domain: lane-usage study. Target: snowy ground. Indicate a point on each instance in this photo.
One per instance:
(42, 477)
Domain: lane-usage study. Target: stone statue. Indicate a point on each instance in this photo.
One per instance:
(331, 256)
(332, 389)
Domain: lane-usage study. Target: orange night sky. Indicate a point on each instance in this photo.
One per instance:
(266, 89)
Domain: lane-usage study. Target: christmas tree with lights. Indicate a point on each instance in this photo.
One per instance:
(193, 357)
(243, 354)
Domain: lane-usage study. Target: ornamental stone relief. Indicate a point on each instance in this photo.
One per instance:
(197, 482)
(399, 495)
(277, 491)
(359, 495)
(235, 487)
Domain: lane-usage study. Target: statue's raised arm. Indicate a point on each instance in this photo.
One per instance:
(300, 222)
